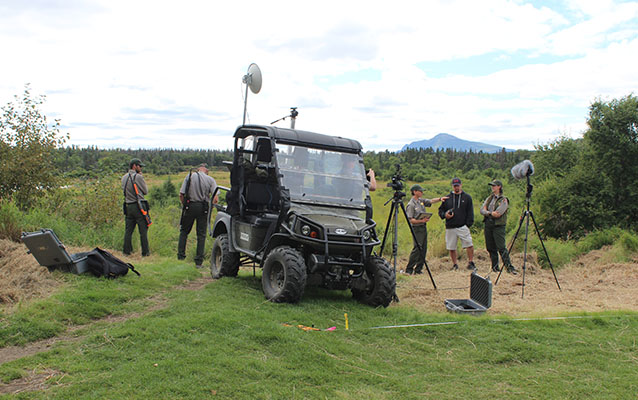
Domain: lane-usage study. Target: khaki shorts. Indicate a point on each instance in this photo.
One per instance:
(452, 236)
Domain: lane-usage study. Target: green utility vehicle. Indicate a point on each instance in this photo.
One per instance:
(299, 208)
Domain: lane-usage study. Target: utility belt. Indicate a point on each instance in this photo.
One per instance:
(203, 203)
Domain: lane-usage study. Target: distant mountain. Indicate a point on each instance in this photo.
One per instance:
(446, 141)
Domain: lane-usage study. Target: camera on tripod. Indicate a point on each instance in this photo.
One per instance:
(397, 180)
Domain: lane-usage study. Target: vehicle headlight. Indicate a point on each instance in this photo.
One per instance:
(366, 235)
(305, 230)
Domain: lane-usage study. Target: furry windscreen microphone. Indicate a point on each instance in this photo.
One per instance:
(523, 169)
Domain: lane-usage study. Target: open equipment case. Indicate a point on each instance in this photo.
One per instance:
(480, 297)
(47, 249)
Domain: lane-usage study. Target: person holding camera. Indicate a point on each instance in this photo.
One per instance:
(194, 196)
(458, 213)
(132, 179)
(418, 216)
(494, 212)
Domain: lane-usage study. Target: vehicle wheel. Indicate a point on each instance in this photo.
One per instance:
(222, 261)
(381, 283)
(283, 278)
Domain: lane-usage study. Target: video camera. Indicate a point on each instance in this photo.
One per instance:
(397, 180)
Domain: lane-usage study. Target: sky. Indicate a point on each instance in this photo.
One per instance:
(168, 74)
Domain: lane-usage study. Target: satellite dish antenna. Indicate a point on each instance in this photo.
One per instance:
(252, 80)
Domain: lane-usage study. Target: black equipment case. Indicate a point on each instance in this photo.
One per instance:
(47, 249)
(480, 297)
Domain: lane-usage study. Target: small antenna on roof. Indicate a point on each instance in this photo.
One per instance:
(252, 80)
(293, 117)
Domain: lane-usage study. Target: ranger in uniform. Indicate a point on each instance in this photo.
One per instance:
(494, 211)
(415, 211)
(131, 207)
(194, 195)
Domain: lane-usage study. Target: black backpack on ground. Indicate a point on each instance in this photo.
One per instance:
(103, 263)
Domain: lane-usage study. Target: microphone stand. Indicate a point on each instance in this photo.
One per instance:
(527, 213)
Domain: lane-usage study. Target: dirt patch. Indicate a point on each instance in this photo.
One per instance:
(35, 380)
(588, 284)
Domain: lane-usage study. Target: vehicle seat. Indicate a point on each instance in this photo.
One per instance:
(261, 197)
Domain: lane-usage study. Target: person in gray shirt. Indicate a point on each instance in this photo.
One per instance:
(418, 216)
(494, 212)
(132, 210)
(195, 202)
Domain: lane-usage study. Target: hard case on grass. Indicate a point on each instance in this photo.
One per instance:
(480, 297)
(47, 249)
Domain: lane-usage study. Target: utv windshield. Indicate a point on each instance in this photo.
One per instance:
(324, 176)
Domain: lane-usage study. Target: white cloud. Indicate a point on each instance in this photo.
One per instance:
(170, 73)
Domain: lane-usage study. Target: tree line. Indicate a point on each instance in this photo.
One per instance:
(582, 184)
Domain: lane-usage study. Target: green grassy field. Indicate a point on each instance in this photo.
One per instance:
(173, 334)
(224, 340)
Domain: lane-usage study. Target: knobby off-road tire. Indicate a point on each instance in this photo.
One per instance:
(383, 283)
(283, 278)
(223, 262)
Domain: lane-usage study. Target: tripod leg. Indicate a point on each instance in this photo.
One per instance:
(387, 228)
(545, 250)
(509, 250)
(405, 214)
(525, 252)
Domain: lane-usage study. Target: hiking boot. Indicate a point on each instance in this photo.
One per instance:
(198, 266)
(418, 271)
(512, 270)
(409, 271)
(455, 267)
(181, 257)
(495, 268)
(471, 266)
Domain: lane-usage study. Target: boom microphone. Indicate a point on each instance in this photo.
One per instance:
(523, 169)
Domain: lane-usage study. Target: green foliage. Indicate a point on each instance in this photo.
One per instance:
(560, 251)
(163, 195)
(629, 241)
(597, 239)
(92, 203)
(9, 221)
(592, 184)
(27, 142)
(557, 158)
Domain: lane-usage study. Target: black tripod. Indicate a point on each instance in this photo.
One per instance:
(527, 213)
(397, 203)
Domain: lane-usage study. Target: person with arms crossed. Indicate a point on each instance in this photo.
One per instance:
(494, 211)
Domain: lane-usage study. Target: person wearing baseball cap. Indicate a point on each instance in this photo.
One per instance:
(458, 212)
(494, 212)
(195, 195)
(418, 216)
(131, 209)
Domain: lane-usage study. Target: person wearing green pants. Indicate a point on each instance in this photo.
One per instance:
(418, 216)
(194, 195)
(494, 211)
(132, 209)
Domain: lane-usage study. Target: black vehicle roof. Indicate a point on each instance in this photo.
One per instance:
(299, 137)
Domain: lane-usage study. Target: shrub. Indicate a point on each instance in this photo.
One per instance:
(597, 239)
(9, 226)
(629, 241)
